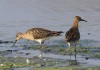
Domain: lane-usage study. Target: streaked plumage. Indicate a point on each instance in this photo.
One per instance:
(73, 34)
(37, 34)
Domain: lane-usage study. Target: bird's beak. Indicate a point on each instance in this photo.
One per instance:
(83, 20)
(14, 42)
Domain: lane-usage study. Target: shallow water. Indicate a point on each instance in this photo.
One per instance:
(20, 15)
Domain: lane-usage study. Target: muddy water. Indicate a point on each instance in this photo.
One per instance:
(18, 16)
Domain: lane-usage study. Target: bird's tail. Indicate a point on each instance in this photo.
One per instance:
(56, 33)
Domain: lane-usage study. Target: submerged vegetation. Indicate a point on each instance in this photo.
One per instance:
(47, 63)
(91, 51)
(70, 68)
(37, 63)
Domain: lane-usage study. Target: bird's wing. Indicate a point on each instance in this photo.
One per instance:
(39, 33)
(72, 35)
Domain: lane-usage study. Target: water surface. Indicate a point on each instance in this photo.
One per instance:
(20, 15)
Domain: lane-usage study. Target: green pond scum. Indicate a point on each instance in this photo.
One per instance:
(51, 63)
(59, 68)
(92, 51)
(69, 68)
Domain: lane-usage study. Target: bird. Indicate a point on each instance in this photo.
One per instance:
(73, 34)
(37, 34)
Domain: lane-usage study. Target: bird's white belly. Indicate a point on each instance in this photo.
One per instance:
(30, 37)
(41, 40)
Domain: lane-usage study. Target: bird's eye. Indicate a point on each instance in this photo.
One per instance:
(17, 36)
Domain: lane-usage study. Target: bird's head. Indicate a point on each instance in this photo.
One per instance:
(18, 37)
(79, 18)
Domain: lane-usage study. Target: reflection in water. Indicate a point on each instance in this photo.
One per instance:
(41, 54)
(72, 62)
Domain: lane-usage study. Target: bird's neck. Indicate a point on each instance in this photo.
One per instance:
(24, 35)
(75, 24)
(27, 36)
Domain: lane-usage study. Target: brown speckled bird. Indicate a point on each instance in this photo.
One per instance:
(37, 34)
(73, 34)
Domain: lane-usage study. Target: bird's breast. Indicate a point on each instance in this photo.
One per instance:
(29, 37)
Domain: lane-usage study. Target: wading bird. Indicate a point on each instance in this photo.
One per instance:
(73, 34)
(37, 34)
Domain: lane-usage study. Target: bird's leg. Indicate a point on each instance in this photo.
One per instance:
(75, 51)
(69, 50)
(41, 49)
